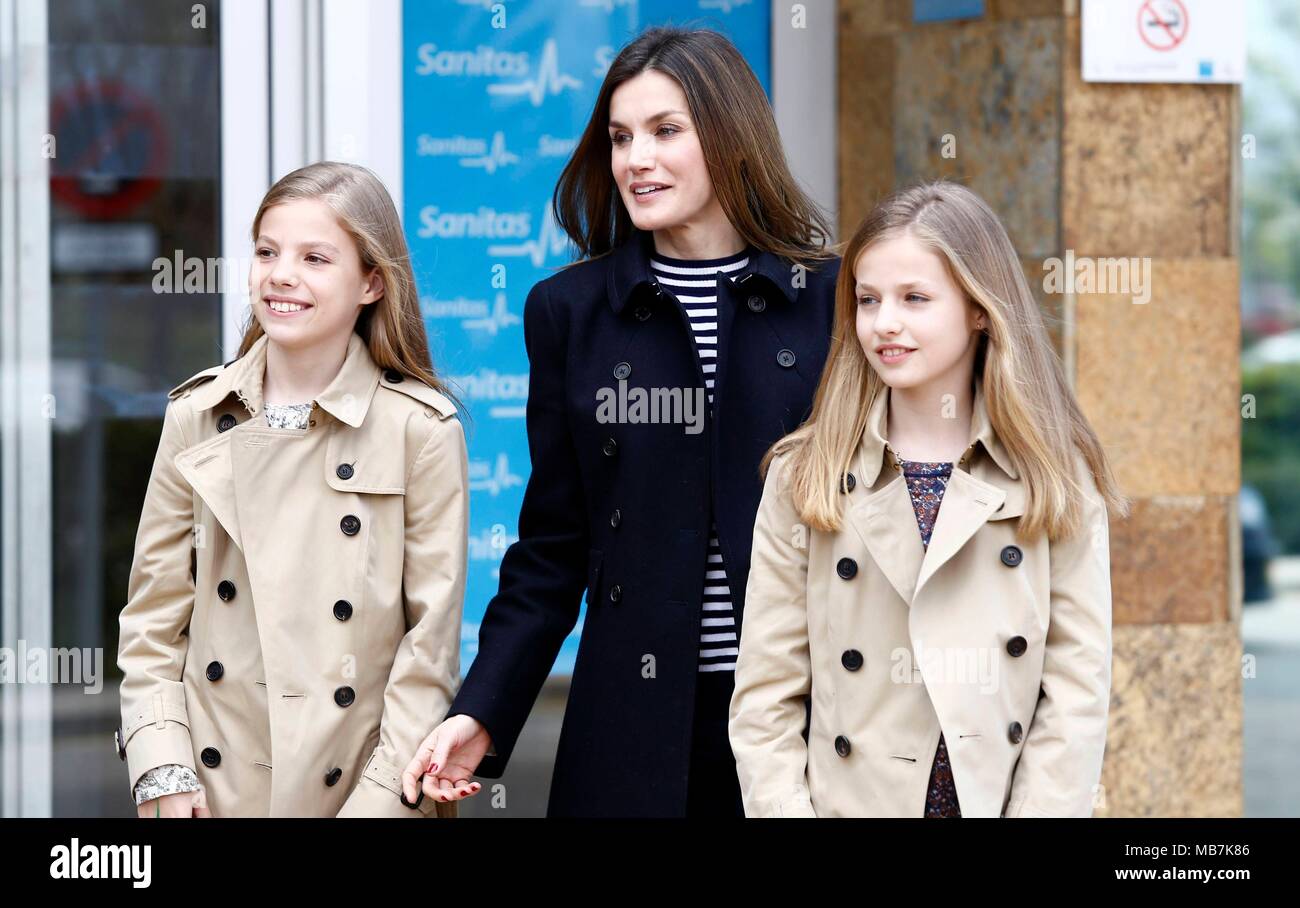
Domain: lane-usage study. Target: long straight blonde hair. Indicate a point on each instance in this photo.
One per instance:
(392, 326)
(1030, 405)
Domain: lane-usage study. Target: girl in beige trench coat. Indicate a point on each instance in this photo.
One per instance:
(294, 604)
(962, 670)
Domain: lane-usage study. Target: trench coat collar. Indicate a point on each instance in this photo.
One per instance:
(870, 459)
(885, 518)
(347, 397)
(630, 268)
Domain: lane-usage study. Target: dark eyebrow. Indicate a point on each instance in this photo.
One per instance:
(662, 115)
(315, 244)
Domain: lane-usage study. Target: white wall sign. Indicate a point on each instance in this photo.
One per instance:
(1164, 40)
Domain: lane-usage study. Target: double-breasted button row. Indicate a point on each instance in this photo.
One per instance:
(756, 303)
(615, 593)
(849, 483)
(215, 670)
(847, 568)
(851, 659)
(616, 518)
(345, 696)
(842, 746)
(226, 590)
(785, 358)
(343, 610)
(642, 313)
(1011, 555)
(211, 757)
(1015, 732)
(610, 447)
(350, 525)
(1017, 645)
(622, 371)
(344, 471)
(332, 777)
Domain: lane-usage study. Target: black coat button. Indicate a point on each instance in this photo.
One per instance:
(332, 777)
(757, 303)
(849, 482)
(1011, 556)
(616, 518)
(642, 313)
(226, 590)
(350, 525)
(392, 376)
(1017, 645)
(847, 568)
(215, 671)
(343, 610)
(851, 659)
(211, 757)
(622, 371)
(615, 593)
(343, 471)
(344, 696)
(1015, 732)
(842, 746)
(785, 358)
(610, 448)
(225, 423)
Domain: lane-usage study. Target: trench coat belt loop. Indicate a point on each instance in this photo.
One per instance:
(159, 713)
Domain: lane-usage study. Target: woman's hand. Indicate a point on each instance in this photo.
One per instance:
(446, 759)
(181, 804)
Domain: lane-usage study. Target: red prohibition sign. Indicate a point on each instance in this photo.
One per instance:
(1170, 33)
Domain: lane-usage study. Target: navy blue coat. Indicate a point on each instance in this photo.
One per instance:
(625, 744)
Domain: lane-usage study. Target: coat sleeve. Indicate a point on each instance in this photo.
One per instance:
(542, 575)
(1060, 765)
(426, 669)
(773, 670)
(154, 624)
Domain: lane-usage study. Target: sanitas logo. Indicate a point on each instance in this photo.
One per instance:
(482, 61)
(487, 223)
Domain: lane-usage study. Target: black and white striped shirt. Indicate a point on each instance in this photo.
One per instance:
(695, 285)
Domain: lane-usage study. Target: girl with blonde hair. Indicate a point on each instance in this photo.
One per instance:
(956, 658)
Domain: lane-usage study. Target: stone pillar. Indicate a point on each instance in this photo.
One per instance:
(1098, 170)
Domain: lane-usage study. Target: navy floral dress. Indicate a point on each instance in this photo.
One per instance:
(926, 482)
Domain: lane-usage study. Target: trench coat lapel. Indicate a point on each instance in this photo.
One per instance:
(885, 519)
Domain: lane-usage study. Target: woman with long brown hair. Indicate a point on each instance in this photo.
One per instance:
(685, 340)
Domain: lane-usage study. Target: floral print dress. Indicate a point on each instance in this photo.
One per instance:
(926, 482)
(172, 778)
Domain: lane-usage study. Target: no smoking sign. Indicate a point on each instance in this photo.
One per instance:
(1162, 24)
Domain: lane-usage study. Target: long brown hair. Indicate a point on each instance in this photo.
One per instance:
(738, 136)
(1030, 405)
(392, 326)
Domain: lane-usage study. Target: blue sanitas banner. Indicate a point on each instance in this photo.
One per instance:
(495, 96)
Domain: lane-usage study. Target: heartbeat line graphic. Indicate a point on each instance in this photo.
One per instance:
(724, 6)
(496, 157)
(551, 240)
(498, 480)
(607, 5)
(500, 318)
(549, 79)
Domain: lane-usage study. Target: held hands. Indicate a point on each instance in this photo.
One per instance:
(446, 759)
(181, 804)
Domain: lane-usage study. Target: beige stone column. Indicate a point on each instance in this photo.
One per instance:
(1101, 170)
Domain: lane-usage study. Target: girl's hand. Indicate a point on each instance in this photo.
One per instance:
(446, 760)
(181, 804)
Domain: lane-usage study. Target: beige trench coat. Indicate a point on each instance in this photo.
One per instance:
(293, 618)
(1005, 647)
